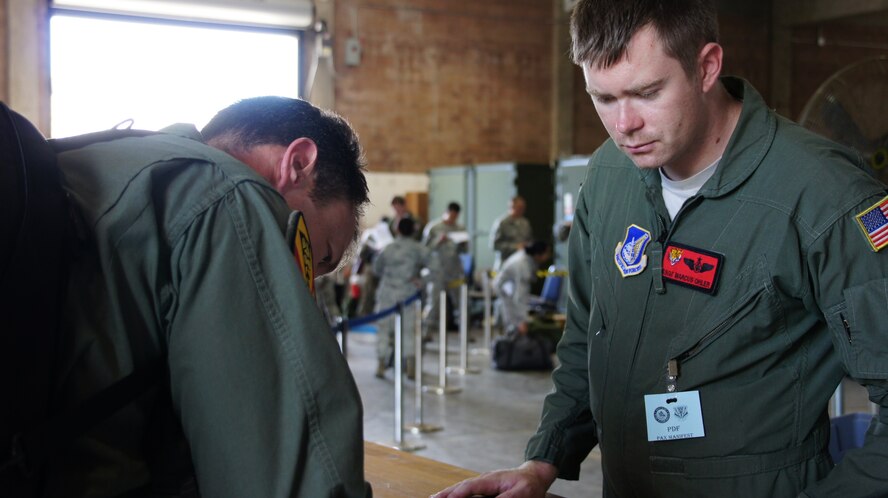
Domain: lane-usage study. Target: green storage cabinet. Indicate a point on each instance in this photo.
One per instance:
(484, 191)
(495, 185)
(569, 175)
(449, 184)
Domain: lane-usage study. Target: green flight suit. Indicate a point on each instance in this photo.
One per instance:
(184, 258)
(800, 299)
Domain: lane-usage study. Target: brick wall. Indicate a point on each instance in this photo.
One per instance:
(589, 133)
(447, 83)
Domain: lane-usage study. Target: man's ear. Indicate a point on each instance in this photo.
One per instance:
(297, 163)
(709, 65)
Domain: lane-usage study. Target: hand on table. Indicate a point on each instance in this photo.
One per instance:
(530, 480)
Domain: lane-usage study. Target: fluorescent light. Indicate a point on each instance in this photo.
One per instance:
(293, 14)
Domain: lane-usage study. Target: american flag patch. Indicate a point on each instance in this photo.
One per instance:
(874, 223)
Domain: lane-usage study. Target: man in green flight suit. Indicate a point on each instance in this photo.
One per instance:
(725, 275)
(183, 258)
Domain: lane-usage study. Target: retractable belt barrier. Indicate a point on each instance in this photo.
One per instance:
(539, 273)
(398, 310)
(343, 326)
(364, 320)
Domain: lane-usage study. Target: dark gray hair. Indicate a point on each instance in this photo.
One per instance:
(339, 173)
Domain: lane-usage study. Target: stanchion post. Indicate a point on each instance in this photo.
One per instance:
(839, 400)
(484, 349)
(419, 426)
(487, 304)
(464, 334)
(442, 387)
(343, 335)
(399, 385)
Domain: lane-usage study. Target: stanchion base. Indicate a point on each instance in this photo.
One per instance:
(441, 390)
(462, 371)
(420, 428)
(405, 446)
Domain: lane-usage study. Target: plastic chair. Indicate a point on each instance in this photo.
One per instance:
(468, 265)
(547, 301)
(847, 432)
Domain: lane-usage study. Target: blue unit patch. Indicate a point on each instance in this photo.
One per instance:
(629, 256)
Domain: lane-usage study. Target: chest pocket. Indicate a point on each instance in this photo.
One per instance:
(736, 330)
(859, 332)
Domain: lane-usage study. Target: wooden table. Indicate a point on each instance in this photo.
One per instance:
(399, 474)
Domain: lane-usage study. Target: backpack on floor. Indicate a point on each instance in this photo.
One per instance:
(35, 238)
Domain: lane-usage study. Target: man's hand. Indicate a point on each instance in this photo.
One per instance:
(530, 480)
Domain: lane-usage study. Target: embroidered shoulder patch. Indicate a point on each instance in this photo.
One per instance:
(300, 245)
(629, 255)
(874, 223)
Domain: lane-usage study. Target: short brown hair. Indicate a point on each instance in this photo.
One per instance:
(600, 30)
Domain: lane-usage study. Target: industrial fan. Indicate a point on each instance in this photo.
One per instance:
(851, 108)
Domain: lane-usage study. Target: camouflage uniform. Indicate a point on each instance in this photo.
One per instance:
(434, 231)
(445, 268)
(506, 234)
(325, 296)
(397, 267)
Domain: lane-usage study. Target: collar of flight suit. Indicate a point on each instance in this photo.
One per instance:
(184, 130)
(747, 147)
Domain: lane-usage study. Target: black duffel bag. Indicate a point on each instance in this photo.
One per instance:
(521, 352)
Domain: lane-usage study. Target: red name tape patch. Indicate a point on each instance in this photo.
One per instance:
(692, 267)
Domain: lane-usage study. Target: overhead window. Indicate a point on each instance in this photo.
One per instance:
(106, 69)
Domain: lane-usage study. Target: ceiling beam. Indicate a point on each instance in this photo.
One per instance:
(797, 12)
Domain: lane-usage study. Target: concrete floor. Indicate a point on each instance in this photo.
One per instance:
(486, 425)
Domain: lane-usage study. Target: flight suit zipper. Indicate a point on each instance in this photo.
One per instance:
(684, 207)
(665, 231)
(846, 326)
(673, 366)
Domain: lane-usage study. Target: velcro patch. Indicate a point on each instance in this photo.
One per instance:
(690, 267)
(300, 245)
(629, 255)
(874, 223)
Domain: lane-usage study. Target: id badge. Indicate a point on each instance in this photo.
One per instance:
(673, 416)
